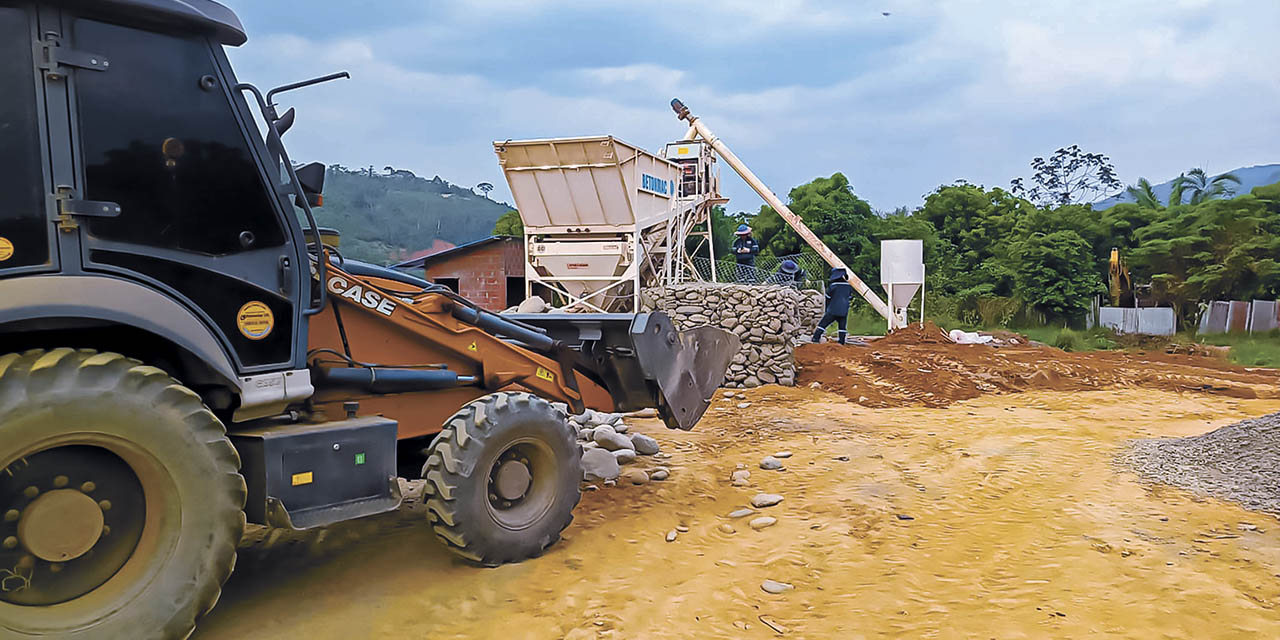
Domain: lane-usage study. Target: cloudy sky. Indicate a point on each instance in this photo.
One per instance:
(937, 90)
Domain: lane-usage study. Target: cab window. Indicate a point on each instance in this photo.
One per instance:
(160, 139)
(24, 230)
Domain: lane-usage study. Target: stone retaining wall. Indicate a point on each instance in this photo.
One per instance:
(770, 321)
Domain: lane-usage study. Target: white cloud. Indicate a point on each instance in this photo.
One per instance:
(965, 88)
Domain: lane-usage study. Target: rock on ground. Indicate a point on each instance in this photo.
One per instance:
(769, 463)
(762, 522)
(761, 500)
(644, 445)
(625, 456)
(659, 474)
(741, 513)
(598, 464)
(1238, 462)
(635, 476)
(775, 587)
(741, 474)
(610, 440)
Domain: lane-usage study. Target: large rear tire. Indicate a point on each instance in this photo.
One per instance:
(121, 499)
(503, 478)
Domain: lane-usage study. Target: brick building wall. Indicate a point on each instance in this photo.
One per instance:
(488, 274)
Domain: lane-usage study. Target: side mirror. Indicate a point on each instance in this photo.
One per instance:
(285, 122)
(311, 179)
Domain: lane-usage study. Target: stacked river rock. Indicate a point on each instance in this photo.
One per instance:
(770, 321)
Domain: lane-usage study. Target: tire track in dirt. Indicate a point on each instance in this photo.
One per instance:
(1022, 517)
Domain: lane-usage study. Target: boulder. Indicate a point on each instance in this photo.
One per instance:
(598, 464)
(644, 445)
(532, 304)
(608, 439)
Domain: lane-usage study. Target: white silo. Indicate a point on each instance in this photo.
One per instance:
(902, 275)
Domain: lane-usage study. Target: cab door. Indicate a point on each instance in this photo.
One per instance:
(26, 231)
(163, 136)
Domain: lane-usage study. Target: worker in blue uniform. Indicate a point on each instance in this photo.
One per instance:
(839, 293)
(745, 250)
(789, 274)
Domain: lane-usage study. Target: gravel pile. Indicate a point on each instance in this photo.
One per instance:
(1239, 462)
(770, 320)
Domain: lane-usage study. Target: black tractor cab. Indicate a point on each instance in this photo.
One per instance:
(147, 203)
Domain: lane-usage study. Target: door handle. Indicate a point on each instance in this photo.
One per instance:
(286, 275)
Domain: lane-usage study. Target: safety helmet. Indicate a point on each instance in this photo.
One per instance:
(743, 230)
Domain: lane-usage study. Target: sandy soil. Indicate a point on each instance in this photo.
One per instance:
(1000, 516)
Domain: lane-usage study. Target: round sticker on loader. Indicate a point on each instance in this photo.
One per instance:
(6, 249)
(255, 320)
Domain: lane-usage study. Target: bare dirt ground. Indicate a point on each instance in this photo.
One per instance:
(956, 515)
(920, 366)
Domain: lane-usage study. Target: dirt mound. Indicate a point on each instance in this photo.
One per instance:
(893, 371)
(927, 333)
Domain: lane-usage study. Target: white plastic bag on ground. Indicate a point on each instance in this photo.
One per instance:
(969, 337)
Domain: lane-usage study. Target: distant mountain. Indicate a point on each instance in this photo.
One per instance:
(1250, 177)
(387, 216)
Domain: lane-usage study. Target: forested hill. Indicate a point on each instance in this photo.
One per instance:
(385, 216)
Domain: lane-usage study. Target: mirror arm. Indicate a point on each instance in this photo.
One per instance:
(305, 83)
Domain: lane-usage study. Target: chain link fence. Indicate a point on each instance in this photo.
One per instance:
(767, 270)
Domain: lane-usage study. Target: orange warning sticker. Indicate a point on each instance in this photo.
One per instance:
(546, 375)
(300, 479)
(255, 320)
(6, 249)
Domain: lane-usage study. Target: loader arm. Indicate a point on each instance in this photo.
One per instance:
(416, 354)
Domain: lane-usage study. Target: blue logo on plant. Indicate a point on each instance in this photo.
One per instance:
(650, 183)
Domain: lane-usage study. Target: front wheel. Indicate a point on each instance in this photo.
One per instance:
(503, 478)
(120, 499)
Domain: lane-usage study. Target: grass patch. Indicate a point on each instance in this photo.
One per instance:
(1256, 350)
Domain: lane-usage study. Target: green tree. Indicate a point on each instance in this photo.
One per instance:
(1145, 196)
(1069, 176)
(1054, 265)
(1212, 250)
(976, 226)
(509, 224)
(828, 206)
(1204, 188)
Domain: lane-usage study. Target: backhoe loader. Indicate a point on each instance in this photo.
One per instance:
(180, 352)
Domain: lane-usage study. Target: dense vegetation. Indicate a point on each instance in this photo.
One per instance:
(993, 258)
(385, 216)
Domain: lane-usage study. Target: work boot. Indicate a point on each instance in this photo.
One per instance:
(842, 336)
(817, 335)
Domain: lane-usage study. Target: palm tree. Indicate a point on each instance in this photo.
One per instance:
(1144, 195)
(1203, 188)
(1177, 187)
